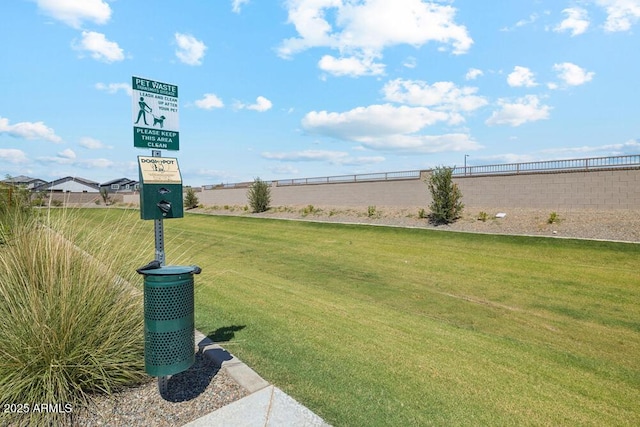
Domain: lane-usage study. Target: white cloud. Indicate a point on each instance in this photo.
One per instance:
(509, 158)
(307, 156)
(237, 4)
(313, 29)
(57, 160)
(333, 157)
(29, 130)
(99, 47)
(521, 76)
(209, 101)
(473, 74)
(387, 127)
(92, 144)
(351, 66)
(363, 29)
(362, 122)
(261, 105)
(67, 154)
(523, 22)
(284, 169)
(68, 157)
(112, 88)
(12, 155)
(364, 160)
(577, 21)
(190, 50)
(94, 163)
(573, 75)
(621, 14)
(526, 109)
(410, 62)
(428, 144)
(442, 96)
(74, 12)
(629, 147)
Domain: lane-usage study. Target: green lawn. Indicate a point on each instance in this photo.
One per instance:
(387, 326)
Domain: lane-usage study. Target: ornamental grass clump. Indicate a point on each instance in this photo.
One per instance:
(72, 321)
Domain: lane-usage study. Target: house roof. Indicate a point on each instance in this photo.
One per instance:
(21, 179)
(118, 181)
(83, 181)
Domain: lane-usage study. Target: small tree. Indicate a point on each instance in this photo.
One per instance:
(446, 204)
(190, 199)
(259, 196)
(105, 196)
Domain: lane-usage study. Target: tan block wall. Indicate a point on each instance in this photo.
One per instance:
(75, 199)
(383, 193)
(599, 190)
(613, 189)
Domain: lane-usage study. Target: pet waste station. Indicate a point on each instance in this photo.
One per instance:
(169, 343)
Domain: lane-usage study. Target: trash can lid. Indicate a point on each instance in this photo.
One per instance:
(170, 270)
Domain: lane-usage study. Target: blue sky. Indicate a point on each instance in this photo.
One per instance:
(303, 88)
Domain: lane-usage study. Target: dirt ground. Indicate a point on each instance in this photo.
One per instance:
(617, 225)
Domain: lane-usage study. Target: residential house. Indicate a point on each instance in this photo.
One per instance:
(24, 181)
(120, 185)
(70, 184)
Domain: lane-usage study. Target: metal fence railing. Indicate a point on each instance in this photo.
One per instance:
(245, 184)
(548, 166)
(382, 176)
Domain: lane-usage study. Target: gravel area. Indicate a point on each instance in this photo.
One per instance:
(616, 225)
(201, 389)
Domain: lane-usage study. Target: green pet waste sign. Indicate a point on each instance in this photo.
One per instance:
(155, 114)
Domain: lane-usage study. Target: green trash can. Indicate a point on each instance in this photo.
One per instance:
(169, 343)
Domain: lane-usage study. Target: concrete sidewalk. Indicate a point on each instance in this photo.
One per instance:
(267, 405)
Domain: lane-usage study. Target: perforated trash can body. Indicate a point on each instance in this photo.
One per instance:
(168, 320)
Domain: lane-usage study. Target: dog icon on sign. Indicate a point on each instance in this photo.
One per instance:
(158, 120)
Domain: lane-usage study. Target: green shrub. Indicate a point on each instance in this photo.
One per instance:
(446, 205)
(422, 213)
(259, 196)
(71, 325)
(483, 216)
(309, 209)
(371, 212)
(553, 218)
(190, 199)
(38, 201)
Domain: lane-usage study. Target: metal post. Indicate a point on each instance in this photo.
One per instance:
(158, 228)
(159, 238)
(465, 164)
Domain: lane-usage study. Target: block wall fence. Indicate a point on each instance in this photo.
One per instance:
(597, 190)
(83, 199)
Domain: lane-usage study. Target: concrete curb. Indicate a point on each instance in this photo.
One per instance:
(266, 406)
(246, 377)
